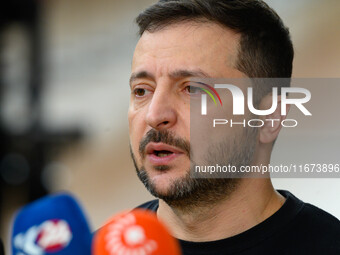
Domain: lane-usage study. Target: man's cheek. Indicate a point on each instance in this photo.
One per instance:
(135, 141)
(134, 144)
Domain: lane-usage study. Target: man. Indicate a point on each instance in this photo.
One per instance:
(186, 40)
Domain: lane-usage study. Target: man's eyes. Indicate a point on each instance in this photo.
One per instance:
(193, 90)
(140, 92)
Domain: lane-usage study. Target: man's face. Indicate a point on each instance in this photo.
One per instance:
(159, 114)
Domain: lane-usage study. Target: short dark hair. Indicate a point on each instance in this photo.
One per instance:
(265, 51)
(265, 47)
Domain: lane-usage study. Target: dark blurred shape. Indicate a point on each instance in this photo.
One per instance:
(14, 169)
(27, 146)
(2, 252)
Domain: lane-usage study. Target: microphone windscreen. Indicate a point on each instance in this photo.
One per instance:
(51, 225)
(135, 233)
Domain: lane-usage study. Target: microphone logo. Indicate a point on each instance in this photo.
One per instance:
(50, 236)
(126, 237)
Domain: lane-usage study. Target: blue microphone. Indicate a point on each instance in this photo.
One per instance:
(51, 225)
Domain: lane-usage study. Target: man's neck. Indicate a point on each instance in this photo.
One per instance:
(252, 202)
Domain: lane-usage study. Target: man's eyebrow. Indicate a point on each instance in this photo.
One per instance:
(189, 73)
(181, 73)
(140, 75)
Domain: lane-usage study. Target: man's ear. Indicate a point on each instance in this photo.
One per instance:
(272, 123)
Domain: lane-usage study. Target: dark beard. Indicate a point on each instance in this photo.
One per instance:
(188, 192)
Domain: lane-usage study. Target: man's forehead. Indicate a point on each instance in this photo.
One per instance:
(184, 35)
(187, 43)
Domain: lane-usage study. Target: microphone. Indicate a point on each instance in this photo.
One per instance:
(51, 225)
(137, 232)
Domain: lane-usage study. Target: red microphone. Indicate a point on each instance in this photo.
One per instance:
(137, 232)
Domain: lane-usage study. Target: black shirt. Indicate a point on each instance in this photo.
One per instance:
(296, 228)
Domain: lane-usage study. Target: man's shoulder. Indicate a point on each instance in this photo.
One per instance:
(302, 227)
(309, 216)
(312, 230)
(318, 219)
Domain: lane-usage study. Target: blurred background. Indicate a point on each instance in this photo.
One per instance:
(64, 70)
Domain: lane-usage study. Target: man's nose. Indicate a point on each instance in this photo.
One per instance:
(161, 112)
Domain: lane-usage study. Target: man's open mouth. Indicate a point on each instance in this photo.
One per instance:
(163, 152)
